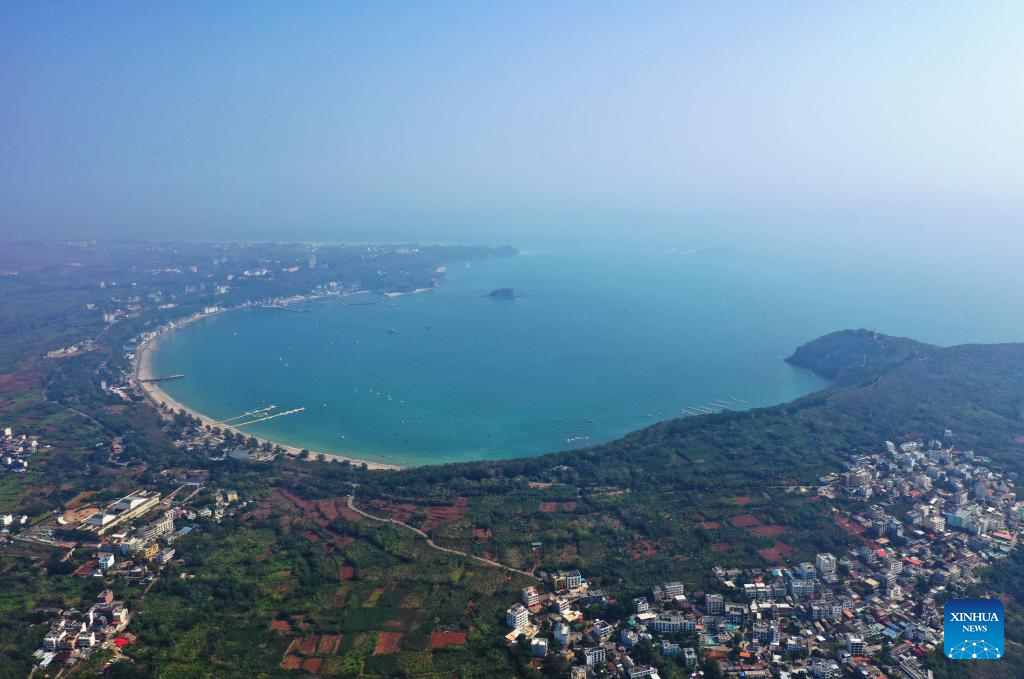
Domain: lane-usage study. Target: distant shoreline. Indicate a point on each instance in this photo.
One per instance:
(143, 370)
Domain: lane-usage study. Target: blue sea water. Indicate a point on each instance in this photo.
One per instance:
(601, 341)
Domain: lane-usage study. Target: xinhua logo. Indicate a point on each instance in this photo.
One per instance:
(973, 629)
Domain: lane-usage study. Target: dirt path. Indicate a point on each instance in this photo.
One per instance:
(434, 545)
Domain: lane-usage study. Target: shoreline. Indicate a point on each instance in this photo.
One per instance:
(143, 370)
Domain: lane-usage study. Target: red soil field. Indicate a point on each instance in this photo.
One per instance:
(642, 549)
(311, 665)
(549, 507)
(744, 521)
(309, 644)
(329, 644)
(399, 512)
(710, 525)
(291, 662)
(280, 625)
(437, 516)
(388, 642)
(849, 526)
(17, 382)
(328, 508)
(76, 501)
(439, 640)
(721, 546)
(776, 553)
(482, 533)
(741, 500)
(312, 537)
(348, 573)
(348, 514)
(87, 568)
(772, 531)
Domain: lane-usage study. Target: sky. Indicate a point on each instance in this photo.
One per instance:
(448, 121)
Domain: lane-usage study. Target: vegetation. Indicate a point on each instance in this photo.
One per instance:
(667, 502)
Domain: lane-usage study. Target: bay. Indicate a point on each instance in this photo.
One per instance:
(599, 342)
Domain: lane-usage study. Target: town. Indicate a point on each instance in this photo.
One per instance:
(927, 517)
(126, 543)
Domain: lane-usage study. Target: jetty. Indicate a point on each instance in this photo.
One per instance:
(250, 414)
(165, 378)
(264, 418)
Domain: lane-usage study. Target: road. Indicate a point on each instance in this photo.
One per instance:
(434, 545)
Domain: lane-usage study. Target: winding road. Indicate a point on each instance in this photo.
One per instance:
(434, 545)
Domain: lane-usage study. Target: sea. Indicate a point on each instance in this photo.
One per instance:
(599, 341)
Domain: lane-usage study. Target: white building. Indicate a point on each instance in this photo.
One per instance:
(856, 646)
(825, 563)
(801, 588)
(517, 617)
(594, 655)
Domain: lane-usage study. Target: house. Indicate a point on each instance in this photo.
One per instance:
(594, 655)
(106, 560)
(714, 604)
(801, 588)
(825, 563)
(667, 590)
(158, 528)
(641, 605)
(669, 623)
(562, 633)
(538, 648)
(563, 580)
(602, 631)
(163, 556)
(517, 617)
(640, 672)
(531, 596)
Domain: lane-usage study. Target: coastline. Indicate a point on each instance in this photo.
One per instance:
(143, 370)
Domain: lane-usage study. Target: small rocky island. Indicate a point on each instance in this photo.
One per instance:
(503, 293)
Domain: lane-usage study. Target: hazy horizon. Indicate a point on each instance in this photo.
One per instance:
(446, 123)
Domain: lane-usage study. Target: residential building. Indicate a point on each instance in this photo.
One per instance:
(517, 616)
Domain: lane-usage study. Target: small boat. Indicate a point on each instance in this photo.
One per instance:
(391, 331)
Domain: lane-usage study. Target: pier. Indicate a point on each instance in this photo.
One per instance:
(264, 418)
(165, 378)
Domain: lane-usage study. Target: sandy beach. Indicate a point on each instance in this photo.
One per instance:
(144, 371)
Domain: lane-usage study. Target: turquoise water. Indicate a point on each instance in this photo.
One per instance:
(602, 342)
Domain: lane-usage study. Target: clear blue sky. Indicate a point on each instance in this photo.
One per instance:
(348, 120)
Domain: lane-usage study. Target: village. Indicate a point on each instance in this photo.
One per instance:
(927, 518)
(126, 544)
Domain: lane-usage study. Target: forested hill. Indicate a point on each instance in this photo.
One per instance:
(848, 354)
(884, 388)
